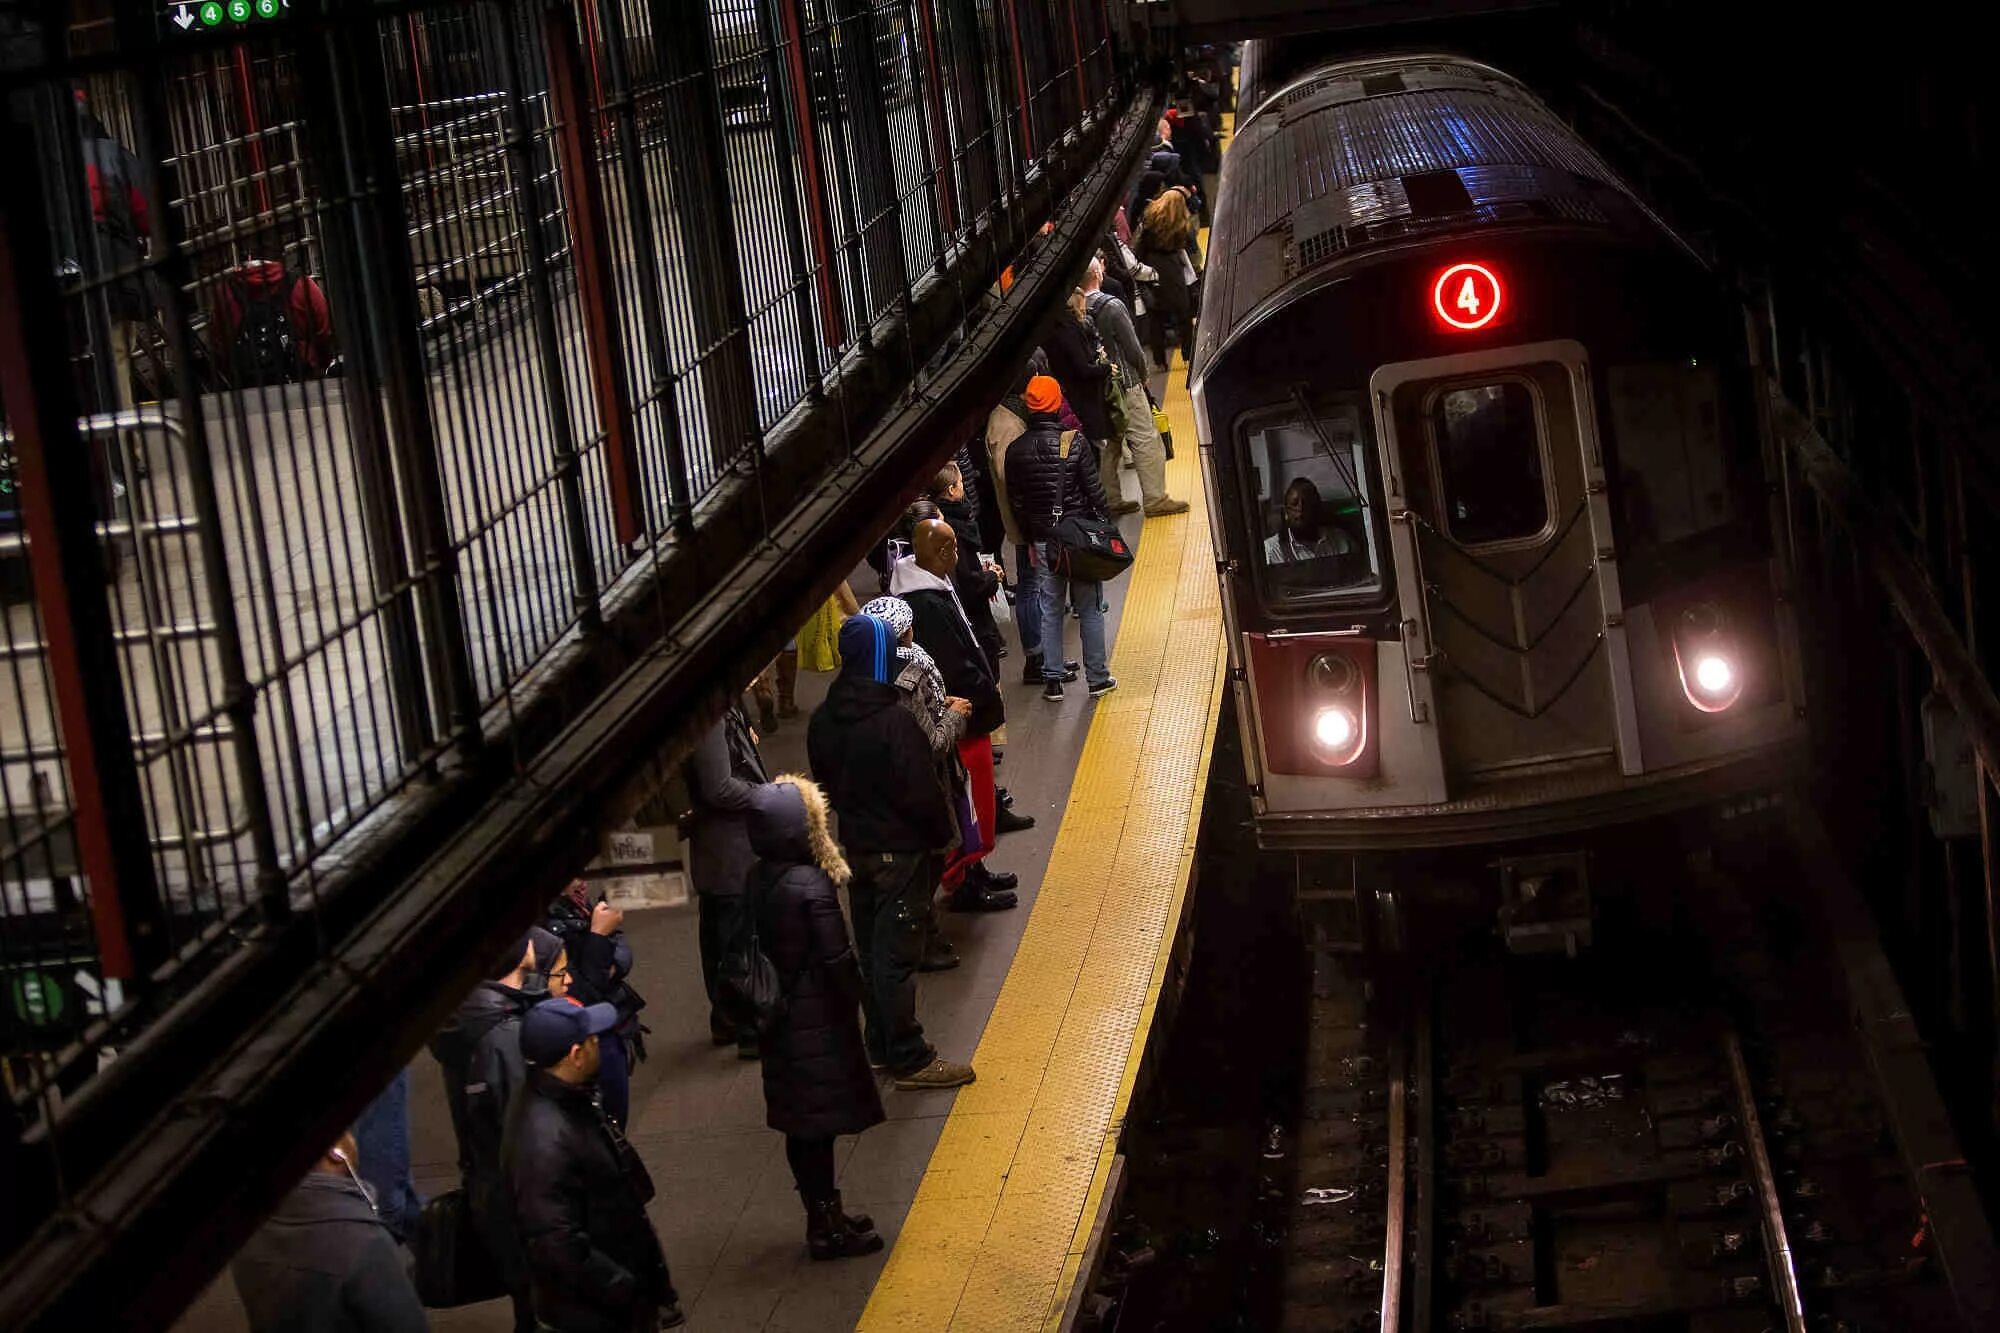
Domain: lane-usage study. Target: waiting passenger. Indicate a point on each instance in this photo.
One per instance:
(1149, 452)
(1050, 472)
(1304, 533)
(600, 963)
(817, 1084)
(943, 630)
(875, 763)
(1004, 425)
(976, 583)
(324, 1260)
(494, 1073)
(1167, 243)
(723, 771)
(580, 1192)
(942, 718)
(506, 993)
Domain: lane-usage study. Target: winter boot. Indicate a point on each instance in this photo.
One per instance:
(788, 683)
(830, 1233)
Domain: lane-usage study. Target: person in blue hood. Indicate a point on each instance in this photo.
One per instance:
(896, 820)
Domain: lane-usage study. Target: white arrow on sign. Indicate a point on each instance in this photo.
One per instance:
(182, 17)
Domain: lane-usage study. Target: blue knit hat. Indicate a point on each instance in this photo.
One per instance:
(868, 647)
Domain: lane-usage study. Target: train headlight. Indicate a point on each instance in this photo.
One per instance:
(1705, 651)
(1713, 675)
(1334, 730)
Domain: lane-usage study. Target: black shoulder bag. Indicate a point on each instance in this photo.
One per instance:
(1084, 546)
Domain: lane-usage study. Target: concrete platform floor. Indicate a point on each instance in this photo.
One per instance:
(726, 1211)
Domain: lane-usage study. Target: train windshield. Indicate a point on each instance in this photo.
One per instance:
(1319, 532)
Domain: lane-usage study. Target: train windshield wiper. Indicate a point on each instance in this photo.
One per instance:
(1344, 466)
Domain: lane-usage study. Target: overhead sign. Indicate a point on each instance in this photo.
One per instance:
(202, 15)
(1466, 296)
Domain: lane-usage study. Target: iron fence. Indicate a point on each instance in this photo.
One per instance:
(352, 358)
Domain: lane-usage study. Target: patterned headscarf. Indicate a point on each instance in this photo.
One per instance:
(893, 612)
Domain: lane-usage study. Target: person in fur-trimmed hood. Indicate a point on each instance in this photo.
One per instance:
(817, 1083)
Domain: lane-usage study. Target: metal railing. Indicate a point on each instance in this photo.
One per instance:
(572, 265)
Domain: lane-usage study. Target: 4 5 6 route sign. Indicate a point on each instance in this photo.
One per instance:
(194, 16)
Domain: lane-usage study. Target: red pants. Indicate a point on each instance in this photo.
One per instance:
(976, 754)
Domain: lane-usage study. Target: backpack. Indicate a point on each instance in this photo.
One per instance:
(748, 990)
(265, 350)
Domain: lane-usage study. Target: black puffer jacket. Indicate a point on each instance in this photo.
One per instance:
(1072, 349)
(488, 1006)
(324, 1263)
(1040, 479)
(580, 1197)
(871, 755)
(816, 1077)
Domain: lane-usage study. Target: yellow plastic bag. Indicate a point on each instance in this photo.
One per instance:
(819, 641)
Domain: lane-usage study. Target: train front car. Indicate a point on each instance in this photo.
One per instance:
(1486, 470)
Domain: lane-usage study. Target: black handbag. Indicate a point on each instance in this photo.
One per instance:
(452, 1265)
(748, 989)
(1083, 546)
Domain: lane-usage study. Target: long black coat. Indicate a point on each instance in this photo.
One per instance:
(816, 1078)
(580, 1197)
(976, 584)
(1072, 348)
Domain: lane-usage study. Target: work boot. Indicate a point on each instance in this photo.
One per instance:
(788, 683)
(830, 1233)
(938, 1074)
(1006, 821)
(939, 956)
(1001, 796)
(1166, 505)
(1120, 508)
(992, 879)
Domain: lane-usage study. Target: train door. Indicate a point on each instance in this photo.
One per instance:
(1493, 464)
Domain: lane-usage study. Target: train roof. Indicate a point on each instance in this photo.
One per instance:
(1358, 155)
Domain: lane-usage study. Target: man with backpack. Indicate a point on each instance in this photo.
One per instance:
(270, 325)
(1142, 436)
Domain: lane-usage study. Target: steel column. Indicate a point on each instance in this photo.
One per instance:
(58, 508)
(703, 206)
(342, 234)
(597, 287)
(647, 267)
(542, 310)
(833, 323)
(388, 297)
(138, 33)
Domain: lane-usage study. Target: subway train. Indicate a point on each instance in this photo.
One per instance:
(1492, 495)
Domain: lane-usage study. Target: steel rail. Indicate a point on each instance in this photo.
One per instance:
(1771, 1215)
(1394, 1202)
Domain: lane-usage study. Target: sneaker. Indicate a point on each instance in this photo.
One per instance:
(1103, 687)
(1162, 508)
(1052, 691)
(939, 1073)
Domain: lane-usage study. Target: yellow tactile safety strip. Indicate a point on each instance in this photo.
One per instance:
(995, 1236)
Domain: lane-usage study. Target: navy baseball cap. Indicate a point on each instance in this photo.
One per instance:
(550, 1028)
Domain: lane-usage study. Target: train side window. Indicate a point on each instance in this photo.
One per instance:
(1492, 477)
(1317, 526)
(1673, 470)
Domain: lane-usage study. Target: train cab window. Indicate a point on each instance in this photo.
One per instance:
(1319, 531)
(1492, 487)
(1673, 470)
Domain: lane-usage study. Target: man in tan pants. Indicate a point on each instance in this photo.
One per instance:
(1149, 452)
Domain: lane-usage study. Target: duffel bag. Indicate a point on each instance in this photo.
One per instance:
(1089, 548)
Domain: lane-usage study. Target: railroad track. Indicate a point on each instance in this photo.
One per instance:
(1684, 1141)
